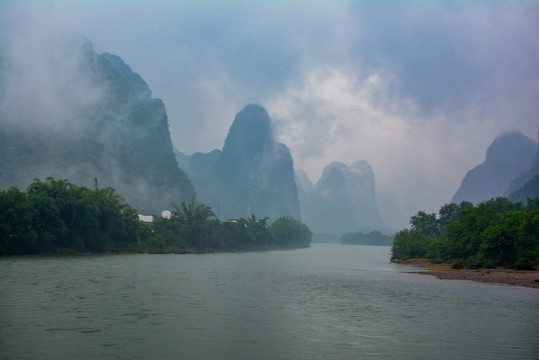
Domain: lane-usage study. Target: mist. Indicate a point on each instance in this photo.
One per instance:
(334, 122)
(67, 112)
(419, 90)
(45, 82)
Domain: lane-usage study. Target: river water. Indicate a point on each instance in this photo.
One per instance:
(328, 301)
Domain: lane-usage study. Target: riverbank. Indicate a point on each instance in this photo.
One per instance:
(526, 278)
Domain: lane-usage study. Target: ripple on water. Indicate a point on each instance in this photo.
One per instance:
(325, 302)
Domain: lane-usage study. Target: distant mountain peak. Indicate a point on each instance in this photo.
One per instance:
(251, 130)
(253, 173)
(332, 167)
(254, 109)
(361, 167)
(509, 147)
(342, 200)
(134, 80)
(509, 155)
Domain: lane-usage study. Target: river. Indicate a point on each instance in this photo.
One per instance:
(328, 301)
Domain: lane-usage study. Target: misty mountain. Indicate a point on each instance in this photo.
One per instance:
(525, 184)
(529, 190)
(79, 115)
(509, 156)
(253, 174)
(343, 200)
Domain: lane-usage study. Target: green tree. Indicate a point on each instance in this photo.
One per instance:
(410, 244)
(463, 237)
(261, 235)
(17, 213)
(52, 201)
(451, 212)
(533, 204)
(168, 232)
(515, 238)
(502, 205)
(426, 224)
(194, 216)
(493, 233)
(291, 233)
(232, 235)
(56, 214)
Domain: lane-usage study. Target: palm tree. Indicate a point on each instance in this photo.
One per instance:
(193, 212)
(193, 216)
(259, 229)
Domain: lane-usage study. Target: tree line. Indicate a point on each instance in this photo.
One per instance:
(373, 238)
(195, 226)
(56, 216)
(493, 233)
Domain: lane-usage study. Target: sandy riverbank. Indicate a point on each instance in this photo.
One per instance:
(527, 278)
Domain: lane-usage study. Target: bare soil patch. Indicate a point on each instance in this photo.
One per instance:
(526, 278)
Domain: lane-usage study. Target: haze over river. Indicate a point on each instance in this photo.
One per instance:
(324, 302)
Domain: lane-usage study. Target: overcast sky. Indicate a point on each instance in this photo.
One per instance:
(418, 89)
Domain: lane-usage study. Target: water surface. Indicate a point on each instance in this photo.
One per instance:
(324, 302)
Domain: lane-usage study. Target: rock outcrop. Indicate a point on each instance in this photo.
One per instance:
(253, 174)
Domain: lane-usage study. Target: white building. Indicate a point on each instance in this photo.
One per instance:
(148, 219)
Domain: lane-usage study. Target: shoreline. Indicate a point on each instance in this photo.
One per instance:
(156, 251)
(525, 278)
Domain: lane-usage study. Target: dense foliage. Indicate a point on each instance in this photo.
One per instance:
(56, 216)
(194, 226)
(493, 233)
(372, 238)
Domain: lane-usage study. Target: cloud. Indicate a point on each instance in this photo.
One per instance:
(207, 61)
(418, 89)
(350, 115)
(43, 67)
(449, 53)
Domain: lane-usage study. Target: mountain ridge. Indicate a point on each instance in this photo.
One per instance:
(107, 127)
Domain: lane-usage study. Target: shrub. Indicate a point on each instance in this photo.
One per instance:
(477, 261)
(523, 263)
(458, 264)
